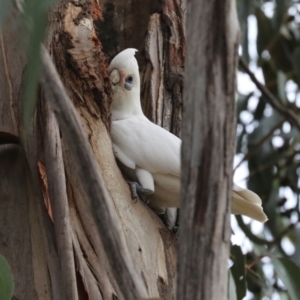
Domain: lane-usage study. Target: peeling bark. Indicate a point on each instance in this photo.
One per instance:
(162, 79)
(58, 195)
(69, 243)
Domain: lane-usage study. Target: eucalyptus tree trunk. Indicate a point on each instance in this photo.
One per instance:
(47, 230)
(208, 149)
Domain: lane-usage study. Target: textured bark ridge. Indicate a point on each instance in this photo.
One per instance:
(75, 45)
(208, 148)
(165, 48)
(55, 250)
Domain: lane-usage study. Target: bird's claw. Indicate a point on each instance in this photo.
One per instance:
(138, 192)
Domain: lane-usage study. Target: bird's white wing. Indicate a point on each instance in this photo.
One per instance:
(149, 146)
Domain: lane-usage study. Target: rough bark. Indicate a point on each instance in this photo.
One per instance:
(54, 181)
(40, 231)
(208, 148)
(106, 220)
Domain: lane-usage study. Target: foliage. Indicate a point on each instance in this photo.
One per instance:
(34, 21)
(6, 280)
(32, 26)
(268, 147)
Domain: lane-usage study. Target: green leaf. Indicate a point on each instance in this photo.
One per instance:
(256, 281)
(280, 13)
(280, 50)
(259, 111)
(244, 10)
(239, 140)
(232, 287)
(6, 280)
(261, 162)
(35, 15)
(281, 83)
(289, 273)
(265, 31)
(284, 296)
(238, 271)
(296, 255)
(270, 75)
(35, 22)
(295, 60)
(246, 229)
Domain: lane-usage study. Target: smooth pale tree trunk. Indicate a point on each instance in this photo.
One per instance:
(208, 133)
(47, 230)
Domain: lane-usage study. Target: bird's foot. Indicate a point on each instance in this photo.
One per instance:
(170, 218)
(138, 192)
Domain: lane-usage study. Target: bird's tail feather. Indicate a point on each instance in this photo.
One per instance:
(247, 203)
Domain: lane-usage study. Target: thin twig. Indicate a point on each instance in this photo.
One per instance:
(279, 237)
(284, 111)
(258, 145)
(252, 272)
(268, 164)
(256, 261)
(109, 227)
(263, 167)
(261, 241)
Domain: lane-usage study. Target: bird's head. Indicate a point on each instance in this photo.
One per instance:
(124, 72)
(125, 79)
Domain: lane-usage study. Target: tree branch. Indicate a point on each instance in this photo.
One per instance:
(108, 225)
(261, 241)
(59, 200)
(284, 111)
(258, 145)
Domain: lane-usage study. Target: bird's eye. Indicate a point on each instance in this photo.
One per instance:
(129, 82)
(129, 79)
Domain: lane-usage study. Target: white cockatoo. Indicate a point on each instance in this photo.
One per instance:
(150, 154)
